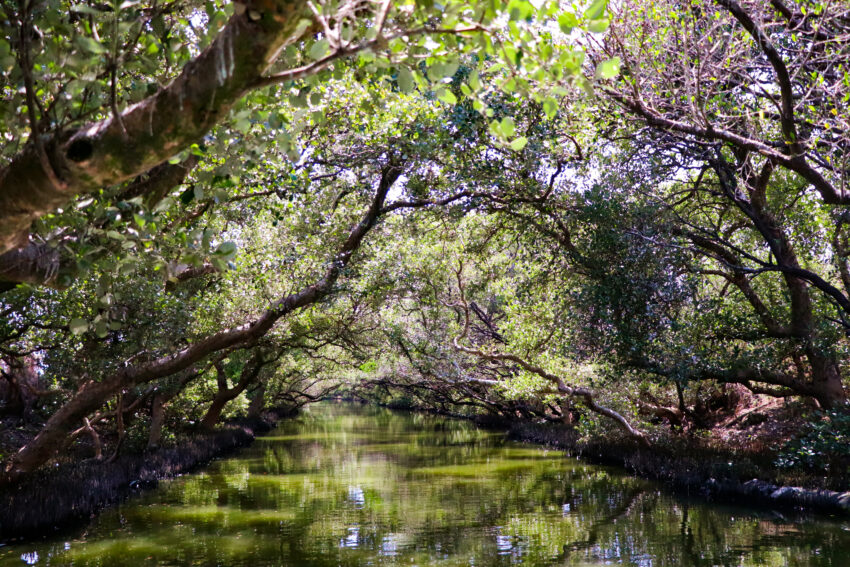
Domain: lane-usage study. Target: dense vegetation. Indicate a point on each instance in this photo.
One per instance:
(631, 218)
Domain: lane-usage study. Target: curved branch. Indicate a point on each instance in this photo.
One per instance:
(93, 394)
(587, 396)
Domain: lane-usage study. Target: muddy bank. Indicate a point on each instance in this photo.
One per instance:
(61, 496)
(702, 474)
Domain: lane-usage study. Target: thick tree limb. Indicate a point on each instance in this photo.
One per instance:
(249, 375)
(157, 182)
(44, 264)
(150, 132)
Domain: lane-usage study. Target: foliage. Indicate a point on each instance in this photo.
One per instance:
(822, 445)
(519, 209)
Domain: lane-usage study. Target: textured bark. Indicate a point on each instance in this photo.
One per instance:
(104, 153)
(213, 414)
(185, 273)
(12, 396)
(825, 383)
(157, 421)
(19, 387)
(160, 401)
(156, 183)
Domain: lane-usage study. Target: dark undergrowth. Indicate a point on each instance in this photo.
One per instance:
(63, 495)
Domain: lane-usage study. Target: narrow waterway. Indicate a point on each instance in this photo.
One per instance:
(345, 485)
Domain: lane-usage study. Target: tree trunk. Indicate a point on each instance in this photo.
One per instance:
(250, 373)
(95, 439)
(827, 385)
(53, 434)
(258, 402)
(567, 416)
(13, 398)
(157, 421)
(214, 412)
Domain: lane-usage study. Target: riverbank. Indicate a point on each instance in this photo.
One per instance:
(683, 466)
(69, 493)
(689, 469)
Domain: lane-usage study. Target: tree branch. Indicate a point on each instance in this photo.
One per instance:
(93, 394)
(97, 155)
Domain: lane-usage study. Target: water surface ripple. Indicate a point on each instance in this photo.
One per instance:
(344, 485)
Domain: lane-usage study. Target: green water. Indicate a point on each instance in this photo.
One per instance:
(346, 485)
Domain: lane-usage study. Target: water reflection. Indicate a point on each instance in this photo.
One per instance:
(355, 486)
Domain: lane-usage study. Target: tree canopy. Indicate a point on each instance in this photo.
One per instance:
(616, 215)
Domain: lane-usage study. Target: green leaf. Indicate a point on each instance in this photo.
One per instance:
(220, 265)
(90, 45)
(405, 80)
(227, 250)
(83, 9)
(78, 326)
(596, 10)
(567, 21)
(450, 68)
(474, 81)
(608, 69)
(101, 329)
(598, 26)
(519, 143)
(447, 96)
(319, 49)
(298, 101)
(507, 126)
(163, 205)
(435, 72)
(243, 125)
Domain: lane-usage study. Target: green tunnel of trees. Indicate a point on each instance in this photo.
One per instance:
(624, 216)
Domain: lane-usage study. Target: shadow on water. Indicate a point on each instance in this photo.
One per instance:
(348, 485)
